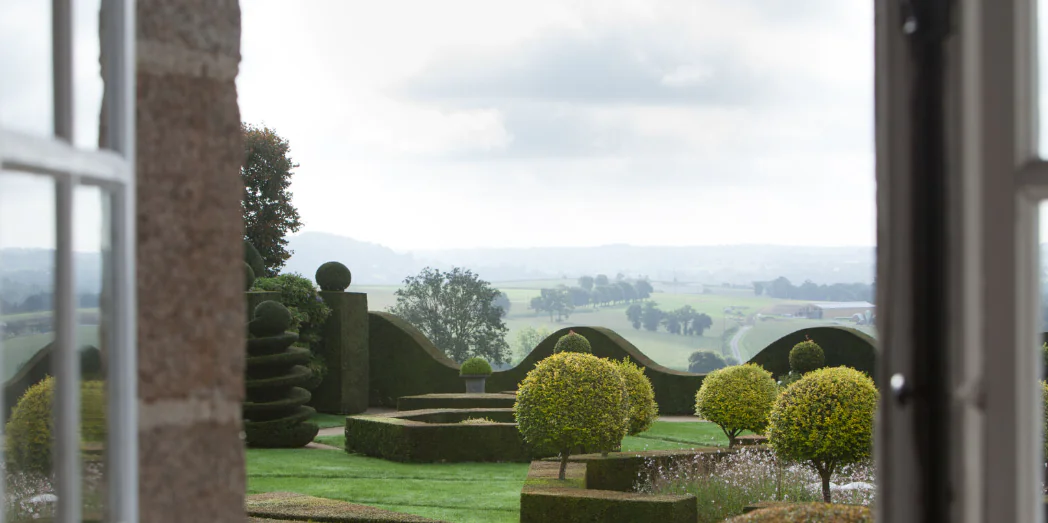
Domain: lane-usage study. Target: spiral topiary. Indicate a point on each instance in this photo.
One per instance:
(275, 415)
(573, 342)
(253, 258)
(806, 356)
(475, 367)
(249, 276)
(333, 276)
(571, 400)
(643, 409)
(30, 431)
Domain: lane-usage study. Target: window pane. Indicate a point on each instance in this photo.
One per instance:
(27, 243)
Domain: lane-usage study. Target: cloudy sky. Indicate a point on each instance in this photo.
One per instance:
(532, 123)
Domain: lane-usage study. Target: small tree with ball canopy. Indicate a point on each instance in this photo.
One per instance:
(572, 342)
(571, 400)
(806, 356)
(736, 398)
(825, 419)
(643, 410)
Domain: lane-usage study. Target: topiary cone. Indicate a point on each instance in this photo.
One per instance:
(275, 415)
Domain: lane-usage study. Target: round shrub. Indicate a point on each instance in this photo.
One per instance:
(333, 276)
(270, 318)
(29, 431)
(254, 259)
(806, 356)
(570, 400)
(475, 367)
(308, 310)
(808, 512)
(826, 419)
(643, 409)
(736, 398)
(249, 276)
(572, 342)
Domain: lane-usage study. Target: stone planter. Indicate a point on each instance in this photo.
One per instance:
(474, 383)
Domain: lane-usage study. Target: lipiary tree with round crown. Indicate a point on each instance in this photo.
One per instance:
(572, 342)
(736, 398)
(275, 411)
(333, 276)
(643, 409)
(806, 356)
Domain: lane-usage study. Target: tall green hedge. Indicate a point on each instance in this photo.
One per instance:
(840, 345)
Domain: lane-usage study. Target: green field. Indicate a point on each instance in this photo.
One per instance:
(667, 349)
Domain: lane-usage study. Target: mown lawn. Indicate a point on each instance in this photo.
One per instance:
(460, 492)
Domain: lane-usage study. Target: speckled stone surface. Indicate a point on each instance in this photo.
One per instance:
(191, 307)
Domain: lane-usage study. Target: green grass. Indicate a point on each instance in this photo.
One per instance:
(326, 421)
(460, 492)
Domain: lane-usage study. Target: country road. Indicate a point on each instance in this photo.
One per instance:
(735, 343)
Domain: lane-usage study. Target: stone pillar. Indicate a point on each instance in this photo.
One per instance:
(191, 306)
(345, 388)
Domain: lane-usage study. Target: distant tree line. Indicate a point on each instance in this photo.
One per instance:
(43, 301)
(596, 291)
(782, 288)
(685, 321)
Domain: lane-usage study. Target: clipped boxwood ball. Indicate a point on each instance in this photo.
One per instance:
(333, 276)
(737, 398)
(249, 276)
(643, 409)
(29, 433)
(475, 367)
(254, 259)
(573, 342)
(806, 356)
(271, 318)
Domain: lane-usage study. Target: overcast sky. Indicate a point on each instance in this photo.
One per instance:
(535, 123)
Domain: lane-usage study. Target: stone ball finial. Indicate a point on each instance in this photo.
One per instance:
(271, 318)
(333, 276)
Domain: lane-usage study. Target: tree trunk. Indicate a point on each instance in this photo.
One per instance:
(563, 464)
(825, 475)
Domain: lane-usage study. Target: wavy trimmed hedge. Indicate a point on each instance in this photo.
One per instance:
(841, 346)
(406, 363)
(423, 436)
(39, 367)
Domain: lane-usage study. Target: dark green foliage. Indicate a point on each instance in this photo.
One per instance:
(438, 436)
(456, 311)
(475, 367)
(573, 342)
(333, 276)
(456, 401)
(270, 318)
(254, 260)
(309, 313)
(275, 414)
(502, 301)
(703, 361)
(841, 346)
(557, 301)
(268, 213)
(806, 356)
(39, 367)
(249, 276)
(29, 434)
(619, 471)
(287, 506)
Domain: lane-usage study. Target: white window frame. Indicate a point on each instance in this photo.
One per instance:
(997, 179)
(113, 171)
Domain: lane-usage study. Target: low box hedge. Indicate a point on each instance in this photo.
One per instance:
(287, 506)
(457, 401)
(546, 499)
(436, 435)
(619, 471)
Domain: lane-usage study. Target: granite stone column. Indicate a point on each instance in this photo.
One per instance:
(190, 274)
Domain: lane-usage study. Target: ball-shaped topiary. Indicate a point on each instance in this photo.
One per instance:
(572, 342)
(475, 367)
(249, 276)
(271, 318)
(254, 259)
(826, 419)
(736, 398)
(806, 356)
(29, 433)
(643, 409)
(570, 400)
(333, 276)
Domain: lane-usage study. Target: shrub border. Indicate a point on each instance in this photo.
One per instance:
(289, 506)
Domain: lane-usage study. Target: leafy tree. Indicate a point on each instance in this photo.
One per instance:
(651, 316)
(502, 300)
(589, 398)
(527, 339)
(456, 311)
(703, 361)
(579, 296)
(758, 288)
(643, 288)
(601, 295)
(268, 213)
(634, 313)
(700, 322)
(643, 410)
(602, 279)
(615, 293)
(586, 282)
(628, 292)
(553, 301)
(736, 399)
(826, 419)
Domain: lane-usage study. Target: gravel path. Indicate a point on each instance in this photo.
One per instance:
(735, 343)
